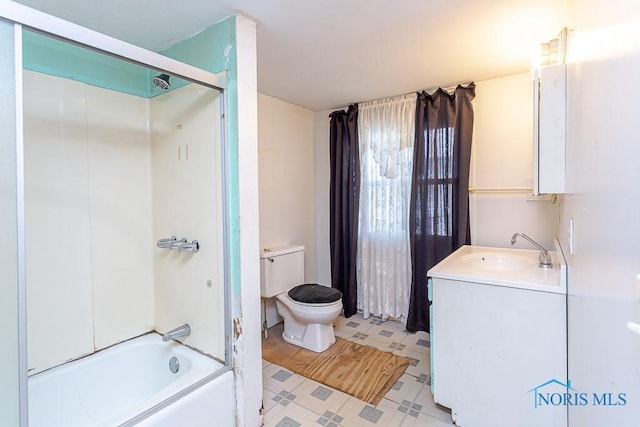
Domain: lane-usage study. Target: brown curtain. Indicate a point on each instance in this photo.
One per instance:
(344, 195)
(439, 210)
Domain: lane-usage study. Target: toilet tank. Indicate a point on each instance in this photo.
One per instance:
(281, 268)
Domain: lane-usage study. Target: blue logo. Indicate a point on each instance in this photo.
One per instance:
(557, 393)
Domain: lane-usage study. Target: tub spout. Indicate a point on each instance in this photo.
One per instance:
(180, 331)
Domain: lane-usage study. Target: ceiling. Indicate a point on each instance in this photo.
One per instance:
(325, 54)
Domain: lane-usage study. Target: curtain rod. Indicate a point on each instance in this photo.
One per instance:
(447, 89)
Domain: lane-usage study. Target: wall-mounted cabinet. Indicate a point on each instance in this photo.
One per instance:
(550, 87)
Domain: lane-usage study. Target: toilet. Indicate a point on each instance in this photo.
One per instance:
(308, 309)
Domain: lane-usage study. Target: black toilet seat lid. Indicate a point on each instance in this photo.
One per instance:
(312, 293)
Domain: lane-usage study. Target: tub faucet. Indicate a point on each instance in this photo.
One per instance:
(544, 259)
(180, 331)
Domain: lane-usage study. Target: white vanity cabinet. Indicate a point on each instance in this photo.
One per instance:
(494, 344)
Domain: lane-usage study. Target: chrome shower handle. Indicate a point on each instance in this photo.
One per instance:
(192, 247)
(176, 244)
(165, 243)
(179, 245)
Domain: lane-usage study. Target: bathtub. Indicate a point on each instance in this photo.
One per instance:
(116, 385)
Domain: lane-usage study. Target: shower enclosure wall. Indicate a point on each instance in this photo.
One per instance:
(112, 164)
(100, 189)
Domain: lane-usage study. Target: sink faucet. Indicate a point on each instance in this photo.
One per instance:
(544, 258)
(180, 331)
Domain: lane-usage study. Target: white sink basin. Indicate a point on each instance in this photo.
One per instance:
(497, 262)
(514, 268)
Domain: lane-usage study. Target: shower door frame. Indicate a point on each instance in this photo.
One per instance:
(24, 17)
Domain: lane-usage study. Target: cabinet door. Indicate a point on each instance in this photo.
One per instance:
(549, 129)
(493, 346)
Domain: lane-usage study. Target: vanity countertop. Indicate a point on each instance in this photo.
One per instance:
(515, 268)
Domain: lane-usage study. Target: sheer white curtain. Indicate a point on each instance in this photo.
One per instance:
(386, 132)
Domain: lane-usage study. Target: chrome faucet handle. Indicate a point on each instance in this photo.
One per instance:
(180, 245)
(544, 259)
(176, 244)
(193, 247)
(165, 243)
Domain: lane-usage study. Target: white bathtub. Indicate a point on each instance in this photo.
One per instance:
(117, 384)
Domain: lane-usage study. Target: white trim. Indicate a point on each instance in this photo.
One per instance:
(65, 30)
(246, 305)
(21, 255)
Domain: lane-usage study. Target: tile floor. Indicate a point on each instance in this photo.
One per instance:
(291, 400)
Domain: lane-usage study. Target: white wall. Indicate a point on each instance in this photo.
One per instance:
(187, 202)
(287, 179)
(89, 264)
(602, 184)
(502, 167)
(287, 183)
(119, 167)
(323, 180)
(58, 227)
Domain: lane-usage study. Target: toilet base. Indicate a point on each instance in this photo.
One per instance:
(308, 327)
(316, 337)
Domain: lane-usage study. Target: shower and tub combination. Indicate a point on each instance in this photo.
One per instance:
(119, 152)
